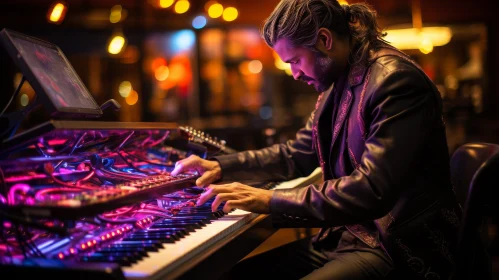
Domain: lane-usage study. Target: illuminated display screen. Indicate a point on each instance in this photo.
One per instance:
(52, 72)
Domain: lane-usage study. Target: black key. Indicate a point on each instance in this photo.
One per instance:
(164, 228)
(144, 243)
(139, 251)
(148, 248)
(120, 260)
(189, 225)
(210, 215)
(163, 239)
(179, 233)
(186, 228)
(191, 218)
(173, 235)
(131, 256)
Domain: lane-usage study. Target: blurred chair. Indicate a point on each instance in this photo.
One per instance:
(475, 177)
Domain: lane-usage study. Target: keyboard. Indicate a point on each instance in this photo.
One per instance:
(175, 259)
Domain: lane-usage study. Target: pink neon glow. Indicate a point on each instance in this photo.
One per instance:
(17, 187)
(72, 250)
(61, 256)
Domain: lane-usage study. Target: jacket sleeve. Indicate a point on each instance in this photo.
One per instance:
(401, 113)
(279, 162)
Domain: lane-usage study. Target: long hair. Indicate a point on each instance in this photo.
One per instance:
(300, 20)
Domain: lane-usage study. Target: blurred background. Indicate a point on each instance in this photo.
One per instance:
(203, 64)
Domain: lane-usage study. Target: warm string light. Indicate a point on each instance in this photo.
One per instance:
(182, 6)
(116, 45)
(57, 12)
(213, 10)
(115, 15)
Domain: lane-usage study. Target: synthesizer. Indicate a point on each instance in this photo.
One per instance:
(96, 199)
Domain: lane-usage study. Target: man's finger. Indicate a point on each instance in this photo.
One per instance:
(221, 198)
(210, 192)
(185, 164)
(232, 204)
(207, 178)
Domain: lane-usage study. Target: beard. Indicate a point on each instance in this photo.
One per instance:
(324, 72)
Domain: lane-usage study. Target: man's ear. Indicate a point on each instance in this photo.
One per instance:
(324, 40)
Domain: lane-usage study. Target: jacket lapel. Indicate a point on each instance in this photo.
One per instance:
(355, 77)
(319, 107)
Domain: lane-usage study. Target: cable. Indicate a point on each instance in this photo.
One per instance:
(16, 92)
(5, 240)
(30, 223)
(4, 185)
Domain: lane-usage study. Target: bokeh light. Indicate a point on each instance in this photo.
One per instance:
(115, 15)
(230, 14)
(199, 22)
(162, 73)
(57, 12)
(165, 3)
(255, 66)
(182, 6)
(132, 98)
(215, 10)
(116, 44)
(125, 88)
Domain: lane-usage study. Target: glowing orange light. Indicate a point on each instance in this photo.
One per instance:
(57, 12)
(116, 44)
(132, 99)
(162, 73)
(182, 6)
(115, 15)
(215, 10)
(177, 72)
(230, 14)
(255, 66)
(165, 3)
(157, 62)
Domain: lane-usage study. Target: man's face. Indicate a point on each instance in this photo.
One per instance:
(311, 67)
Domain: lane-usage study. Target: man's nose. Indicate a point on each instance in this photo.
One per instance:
(296, 73)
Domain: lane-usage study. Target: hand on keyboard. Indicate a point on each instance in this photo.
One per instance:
(237, 195)
(210, 171)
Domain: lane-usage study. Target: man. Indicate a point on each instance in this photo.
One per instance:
(386, 206)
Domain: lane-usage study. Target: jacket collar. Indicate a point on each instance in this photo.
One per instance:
(356, 76)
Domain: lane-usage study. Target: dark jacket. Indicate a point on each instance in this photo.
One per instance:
(399, 195)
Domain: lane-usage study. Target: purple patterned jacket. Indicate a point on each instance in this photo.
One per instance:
(400, 185)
